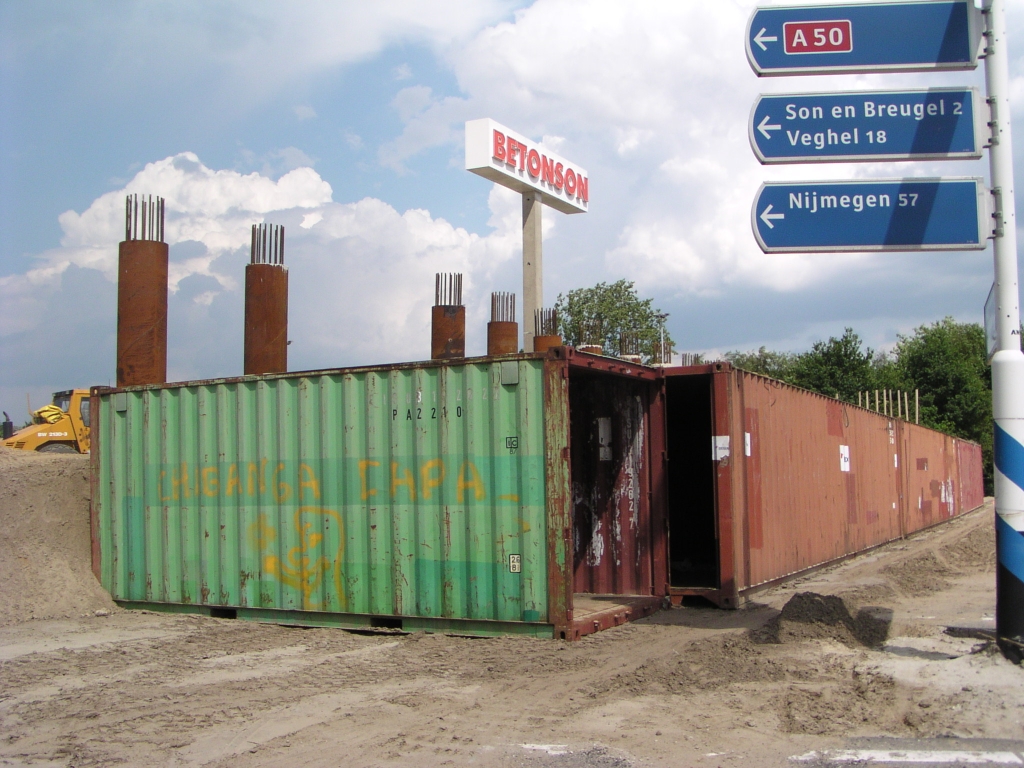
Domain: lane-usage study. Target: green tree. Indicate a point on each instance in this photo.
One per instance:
(609, 310)
(777, 365)
(948, 364)
(829, 367)
(837, 366)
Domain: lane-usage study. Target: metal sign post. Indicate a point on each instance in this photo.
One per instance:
(1008, 361)
(904, 214)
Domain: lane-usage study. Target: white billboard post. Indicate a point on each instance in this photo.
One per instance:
(542, 177)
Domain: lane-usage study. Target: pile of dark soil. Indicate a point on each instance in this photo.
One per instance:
(810, 616)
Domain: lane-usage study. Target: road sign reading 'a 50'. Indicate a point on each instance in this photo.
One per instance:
(927, 124)
(871, 215)
(864, 37)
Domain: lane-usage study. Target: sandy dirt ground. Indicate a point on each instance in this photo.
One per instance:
(858, 654)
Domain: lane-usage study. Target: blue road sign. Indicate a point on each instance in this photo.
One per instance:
(932, 124)
(887, 215)
(864, 37)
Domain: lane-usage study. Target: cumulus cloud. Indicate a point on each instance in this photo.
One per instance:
(661, 126)
(361, 273)
(215, 209)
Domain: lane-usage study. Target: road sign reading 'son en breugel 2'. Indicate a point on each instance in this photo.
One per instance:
(871, 215)
(925, 124)
(864, 37)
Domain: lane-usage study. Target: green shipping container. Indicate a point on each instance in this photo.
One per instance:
(424, 496)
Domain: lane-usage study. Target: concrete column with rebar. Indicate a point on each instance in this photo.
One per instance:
(266, 303)
(142, 294)
(545, 329)
(448, 318)
(503, 330)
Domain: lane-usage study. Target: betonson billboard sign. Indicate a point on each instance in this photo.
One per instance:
(510, 159)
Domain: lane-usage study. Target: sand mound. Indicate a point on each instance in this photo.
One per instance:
(975, 551)
(45, 551)
(810, 616)
(920, 575)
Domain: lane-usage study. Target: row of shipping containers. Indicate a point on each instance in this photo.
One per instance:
(795, 480)
(544, 494)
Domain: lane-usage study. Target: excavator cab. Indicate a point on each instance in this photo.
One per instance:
(61, 427)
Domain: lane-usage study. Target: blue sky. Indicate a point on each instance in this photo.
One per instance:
(347, 118)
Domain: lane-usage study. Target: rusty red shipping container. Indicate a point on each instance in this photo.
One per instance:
(766, 480)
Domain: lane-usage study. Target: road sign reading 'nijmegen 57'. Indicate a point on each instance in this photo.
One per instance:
(870, 215)
(864, 37)
(932, 124)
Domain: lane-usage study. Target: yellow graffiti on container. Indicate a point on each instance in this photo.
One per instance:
(304, 567)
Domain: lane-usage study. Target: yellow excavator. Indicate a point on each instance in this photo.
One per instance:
(61, 427)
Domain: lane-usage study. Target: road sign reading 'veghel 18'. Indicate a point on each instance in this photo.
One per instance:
(871, 215)
(927, 124)
(864, 37)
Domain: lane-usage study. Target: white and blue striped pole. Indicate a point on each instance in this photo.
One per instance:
(1008, 361)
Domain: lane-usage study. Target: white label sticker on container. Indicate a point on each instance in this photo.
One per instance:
(844, 458)
(746, 443)
(515, 563)
(719, 447)
(896, 460)
(604, 439)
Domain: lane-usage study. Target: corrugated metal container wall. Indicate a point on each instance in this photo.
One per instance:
(972, 479)
(395, 492)
(932, 477)
(799, 480)
(820, 479)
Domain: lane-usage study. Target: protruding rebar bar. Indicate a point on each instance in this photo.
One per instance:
(545, 322)
(267, 244)
(143, 219)
(447, 318)
(448, 289)
(629, 344)
(592, 332)
(503, 307)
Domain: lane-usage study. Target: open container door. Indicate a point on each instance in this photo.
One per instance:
(616, 467)
(700, 448)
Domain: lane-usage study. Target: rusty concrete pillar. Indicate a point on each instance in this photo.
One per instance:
(142, 294)
(545, 330)
(266, 302)
(448, 318)
(503, 330)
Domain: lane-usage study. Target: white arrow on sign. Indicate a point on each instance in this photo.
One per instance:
(767, 216)
(764, 127)
(761, 38)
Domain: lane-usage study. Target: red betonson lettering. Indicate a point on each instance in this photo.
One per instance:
(513, 155)
(818, 36)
